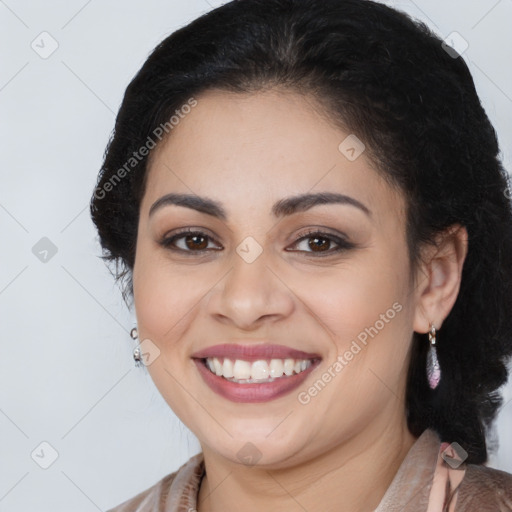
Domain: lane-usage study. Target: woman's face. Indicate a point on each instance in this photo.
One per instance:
(274, 286)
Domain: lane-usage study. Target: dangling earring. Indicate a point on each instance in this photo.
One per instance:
(433, 368)
(136, 353)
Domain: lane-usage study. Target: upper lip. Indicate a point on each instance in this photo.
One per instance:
(253, 352)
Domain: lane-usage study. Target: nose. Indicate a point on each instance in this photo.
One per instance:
(250, 295)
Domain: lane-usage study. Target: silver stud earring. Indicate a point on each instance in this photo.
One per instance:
(433, 367)
(136, 353)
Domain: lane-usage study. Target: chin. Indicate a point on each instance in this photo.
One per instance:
(258, 442)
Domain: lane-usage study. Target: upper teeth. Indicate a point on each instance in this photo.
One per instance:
(256, 371)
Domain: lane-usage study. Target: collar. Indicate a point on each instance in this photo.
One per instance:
(409, 490)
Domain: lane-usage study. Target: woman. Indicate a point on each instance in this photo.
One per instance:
(307, 208)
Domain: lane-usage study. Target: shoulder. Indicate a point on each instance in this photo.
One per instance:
(148, 500)
(485, 489)
(155, 498)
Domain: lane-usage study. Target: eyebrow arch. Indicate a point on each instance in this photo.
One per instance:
(281, 208)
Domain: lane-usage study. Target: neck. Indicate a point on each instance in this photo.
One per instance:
(353, 476)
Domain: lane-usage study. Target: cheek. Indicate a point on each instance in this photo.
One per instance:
(163, 294)
(164, 297)
(363, 308)
(351, 297)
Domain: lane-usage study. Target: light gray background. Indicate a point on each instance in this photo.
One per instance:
(66, 368)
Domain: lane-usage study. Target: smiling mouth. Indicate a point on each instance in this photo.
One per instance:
(260, 371)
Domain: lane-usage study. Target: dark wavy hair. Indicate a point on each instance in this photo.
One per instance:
(391, 81)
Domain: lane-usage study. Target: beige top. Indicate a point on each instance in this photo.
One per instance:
(424, 482)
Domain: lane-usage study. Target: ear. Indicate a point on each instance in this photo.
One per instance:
(438, 278)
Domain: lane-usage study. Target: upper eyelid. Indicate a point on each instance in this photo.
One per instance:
(324, 232)
(205, 231)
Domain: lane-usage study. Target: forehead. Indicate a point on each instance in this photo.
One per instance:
(265, 145)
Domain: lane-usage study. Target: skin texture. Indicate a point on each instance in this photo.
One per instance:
(341, 450)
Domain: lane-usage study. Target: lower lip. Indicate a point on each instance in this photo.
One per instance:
(255, 392)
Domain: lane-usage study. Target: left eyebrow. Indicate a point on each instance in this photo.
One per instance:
(283, 207)
(304, 202)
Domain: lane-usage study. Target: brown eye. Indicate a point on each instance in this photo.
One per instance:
(321, 243)
(196, 242)
(188, 242)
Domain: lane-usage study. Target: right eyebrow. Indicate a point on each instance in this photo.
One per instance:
(286, 206)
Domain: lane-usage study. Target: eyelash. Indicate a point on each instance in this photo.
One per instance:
(343, 245)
